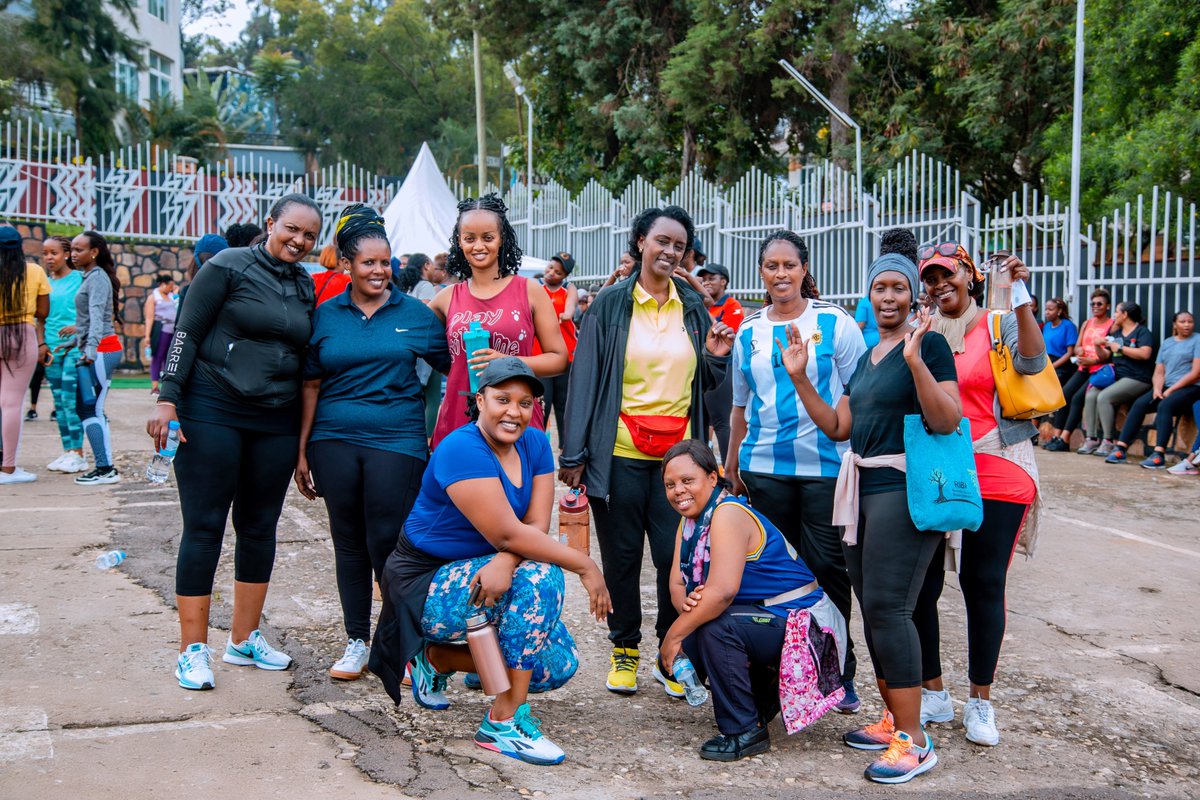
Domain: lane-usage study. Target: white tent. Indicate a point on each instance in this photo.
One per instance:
(421, 216)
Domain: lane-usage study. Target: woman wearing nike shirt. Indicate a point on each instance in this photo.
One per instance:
(363, 418)
(234, 373)
(777, 454)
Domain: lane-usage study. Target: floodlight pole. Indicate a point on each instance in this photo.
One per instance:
(511, 73)
(1075, 246)
(845, 119)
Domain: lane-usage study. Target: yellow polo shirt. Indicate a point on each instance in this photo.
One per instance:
(36, 284)
(660, 365)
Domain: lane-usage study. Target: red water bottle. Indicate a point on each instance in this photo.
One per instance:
(574, 527)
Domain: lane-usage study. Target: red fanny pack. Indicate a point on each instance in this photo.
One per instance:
(655, 435)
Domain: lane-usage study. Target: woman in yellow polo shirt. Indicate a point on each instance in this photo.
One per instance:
(24, 306)
(647, 353)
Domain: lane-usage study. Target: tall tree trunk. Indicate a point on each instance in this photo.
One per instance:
(689, 152)
(841, 65)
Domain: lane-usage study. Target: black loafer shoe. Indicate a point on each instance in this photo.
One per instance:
(735, 748)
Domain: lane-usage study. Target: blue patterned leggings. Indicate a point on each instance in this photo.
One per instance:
(62, 383)
(532, 635)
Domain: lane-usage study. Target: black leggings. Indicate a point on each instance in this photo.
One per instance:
(718, 405)
(35, 383)
(555, 398)
(219, 467)
(802, 509)
(1070, 415)
(1165, 411)
(887, 568)
(986, 555)
(368, 494)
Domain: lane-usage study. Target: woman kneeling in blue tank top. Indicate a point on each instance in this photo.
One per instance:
(751, 614)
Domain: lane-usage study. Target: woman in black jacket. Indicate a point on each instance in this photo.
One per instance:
(232, 381)
(647, 353)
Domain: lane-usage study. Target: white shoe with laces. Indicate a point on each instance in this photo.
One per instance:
(192, 668)
(353, 663)
(936, 706)
(74, 463)
(18, 475)
(255, 652)
(57, 464)
(979, 718)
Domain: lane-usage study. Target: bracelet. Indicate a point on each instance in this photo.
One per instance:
(42, 344)
(165, 403)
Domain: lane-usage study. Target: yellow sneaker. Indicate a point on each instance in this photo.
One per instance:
(672, 687)
(622, 677)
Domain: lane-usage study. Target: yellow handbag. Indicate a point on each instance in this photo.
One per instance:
(1021, 396)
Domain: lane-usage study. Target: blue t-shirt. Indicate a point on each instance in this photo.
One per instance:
(1059, 337)
(1176, 358)
(863, 312)
(370, 393)
(435, 525)
(62, 305)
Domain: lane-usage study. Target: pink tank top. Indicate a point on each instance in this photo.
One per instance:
(509, 319)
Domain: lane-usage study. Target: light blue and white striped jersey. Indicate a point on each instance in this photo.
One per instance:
(781, 439)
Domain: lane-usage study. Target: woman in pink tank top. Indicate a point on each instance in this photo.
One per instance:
(516, 311)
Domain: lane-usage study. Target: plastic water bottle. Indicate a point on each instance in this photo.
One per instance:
(159, 468)
(574, 529)
(685, 674)
(110, 559)
(999, 282)
(475, 337)
(149, 355)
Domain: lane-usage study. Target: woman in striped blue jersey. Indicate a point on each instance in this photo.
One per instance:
(777, 455)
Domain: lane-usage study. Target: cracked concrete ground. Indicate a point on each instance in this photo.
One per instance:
(1098, 693)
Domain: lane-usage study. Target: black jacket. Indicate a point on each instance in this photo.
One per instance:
(245, 326)
(594, 393)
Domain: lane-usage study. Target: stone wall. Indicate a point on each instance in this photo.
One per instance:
(137, 264)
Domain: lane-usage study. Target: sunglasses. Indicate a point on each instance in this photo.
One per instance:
(944, 249)
(1098, 303)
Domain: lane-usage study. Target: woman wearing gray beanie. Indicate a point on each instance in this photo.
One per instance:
(910, 371)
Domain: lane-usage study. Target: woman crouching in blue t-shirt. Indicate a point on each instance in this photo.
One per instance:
(736, 588)
(482, 518)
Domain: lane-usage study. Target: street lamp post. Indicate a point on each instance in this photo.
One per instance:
(845, 119)
(511, 73)
(1074, 246)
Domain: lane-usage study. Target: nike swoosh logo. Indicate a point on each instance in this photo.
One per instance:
(401, 330)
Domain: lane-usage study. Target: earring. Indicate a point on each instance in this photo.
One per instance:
(971, 286)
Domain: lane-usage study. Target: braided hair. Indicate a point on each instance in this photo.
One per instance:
(355, 225)
(106, 262)
(12, 300)
(510, 253)
(808, 288)
(65, 243)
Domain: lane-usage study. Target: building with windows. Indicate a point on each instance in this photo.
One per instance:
(161, 73)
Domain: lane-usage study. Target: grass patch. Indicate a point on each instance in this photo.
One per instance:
(130, 382)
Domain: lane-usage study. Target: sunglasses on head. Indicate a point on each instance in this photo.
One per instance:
(944, 249)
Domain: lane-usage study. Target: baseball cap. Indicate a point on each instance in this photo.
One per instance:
(715, 269)
(10, 238)
(698, 248)
(506, 369)
(568, 263)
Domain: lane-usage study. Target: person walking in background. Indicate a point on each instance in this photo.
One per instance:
(60, 371)
(209, 245)
(565, 300)
(1088, 359)
(1008, 480)
(363, 444)
(24, 306)
(232, 382)
(414, 281)
(158, 314)
(334, 280)
(1130, 348)
(910, 371)
(777, 455)
(98, 347)
(1061, 335)
(515, 311)
(647, 354)
(726, 309)
(1173, 390)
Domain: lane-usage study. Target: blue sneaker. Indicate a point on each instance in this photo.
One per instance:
(903, 760)
(428, 685)
(471, 681)
(192, 669)
(1155, 461)
(255, 652)
(520, 738)
(850, 703)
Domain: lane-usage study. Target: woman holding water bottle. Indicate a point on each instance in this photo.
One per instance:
(735, 585)
(478, 536)
(232, 382)
(514, 311)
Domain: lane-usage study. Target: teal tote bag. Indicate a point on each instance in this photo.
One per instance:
(943, 487)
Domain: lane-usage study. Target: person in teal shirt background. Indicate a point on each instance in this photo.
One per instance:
(60, 335)
(864, 315)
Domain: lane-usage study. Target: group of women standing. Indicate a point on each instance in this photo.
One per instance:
(265, 388)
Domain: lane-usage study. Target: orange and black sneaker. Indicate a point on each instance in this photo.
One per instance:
(876, 736)
(903, 760)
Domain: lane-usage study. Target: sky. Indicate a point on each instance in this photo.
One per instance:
(227, 26)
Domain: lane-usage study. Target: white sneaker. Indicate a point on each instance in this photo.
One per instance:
(18, 475)
(1184, 467)
(56, 464)
(192, 669)
(353, 663)
(255, 652)
(980, 721)
(936, 706)
(74, 463)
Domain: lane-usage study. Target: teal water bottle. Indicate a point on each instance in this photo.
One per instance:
(476, 337)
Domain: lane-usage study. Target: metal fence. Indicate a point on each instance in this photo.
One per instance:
(1144, 251)
(149, 193)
